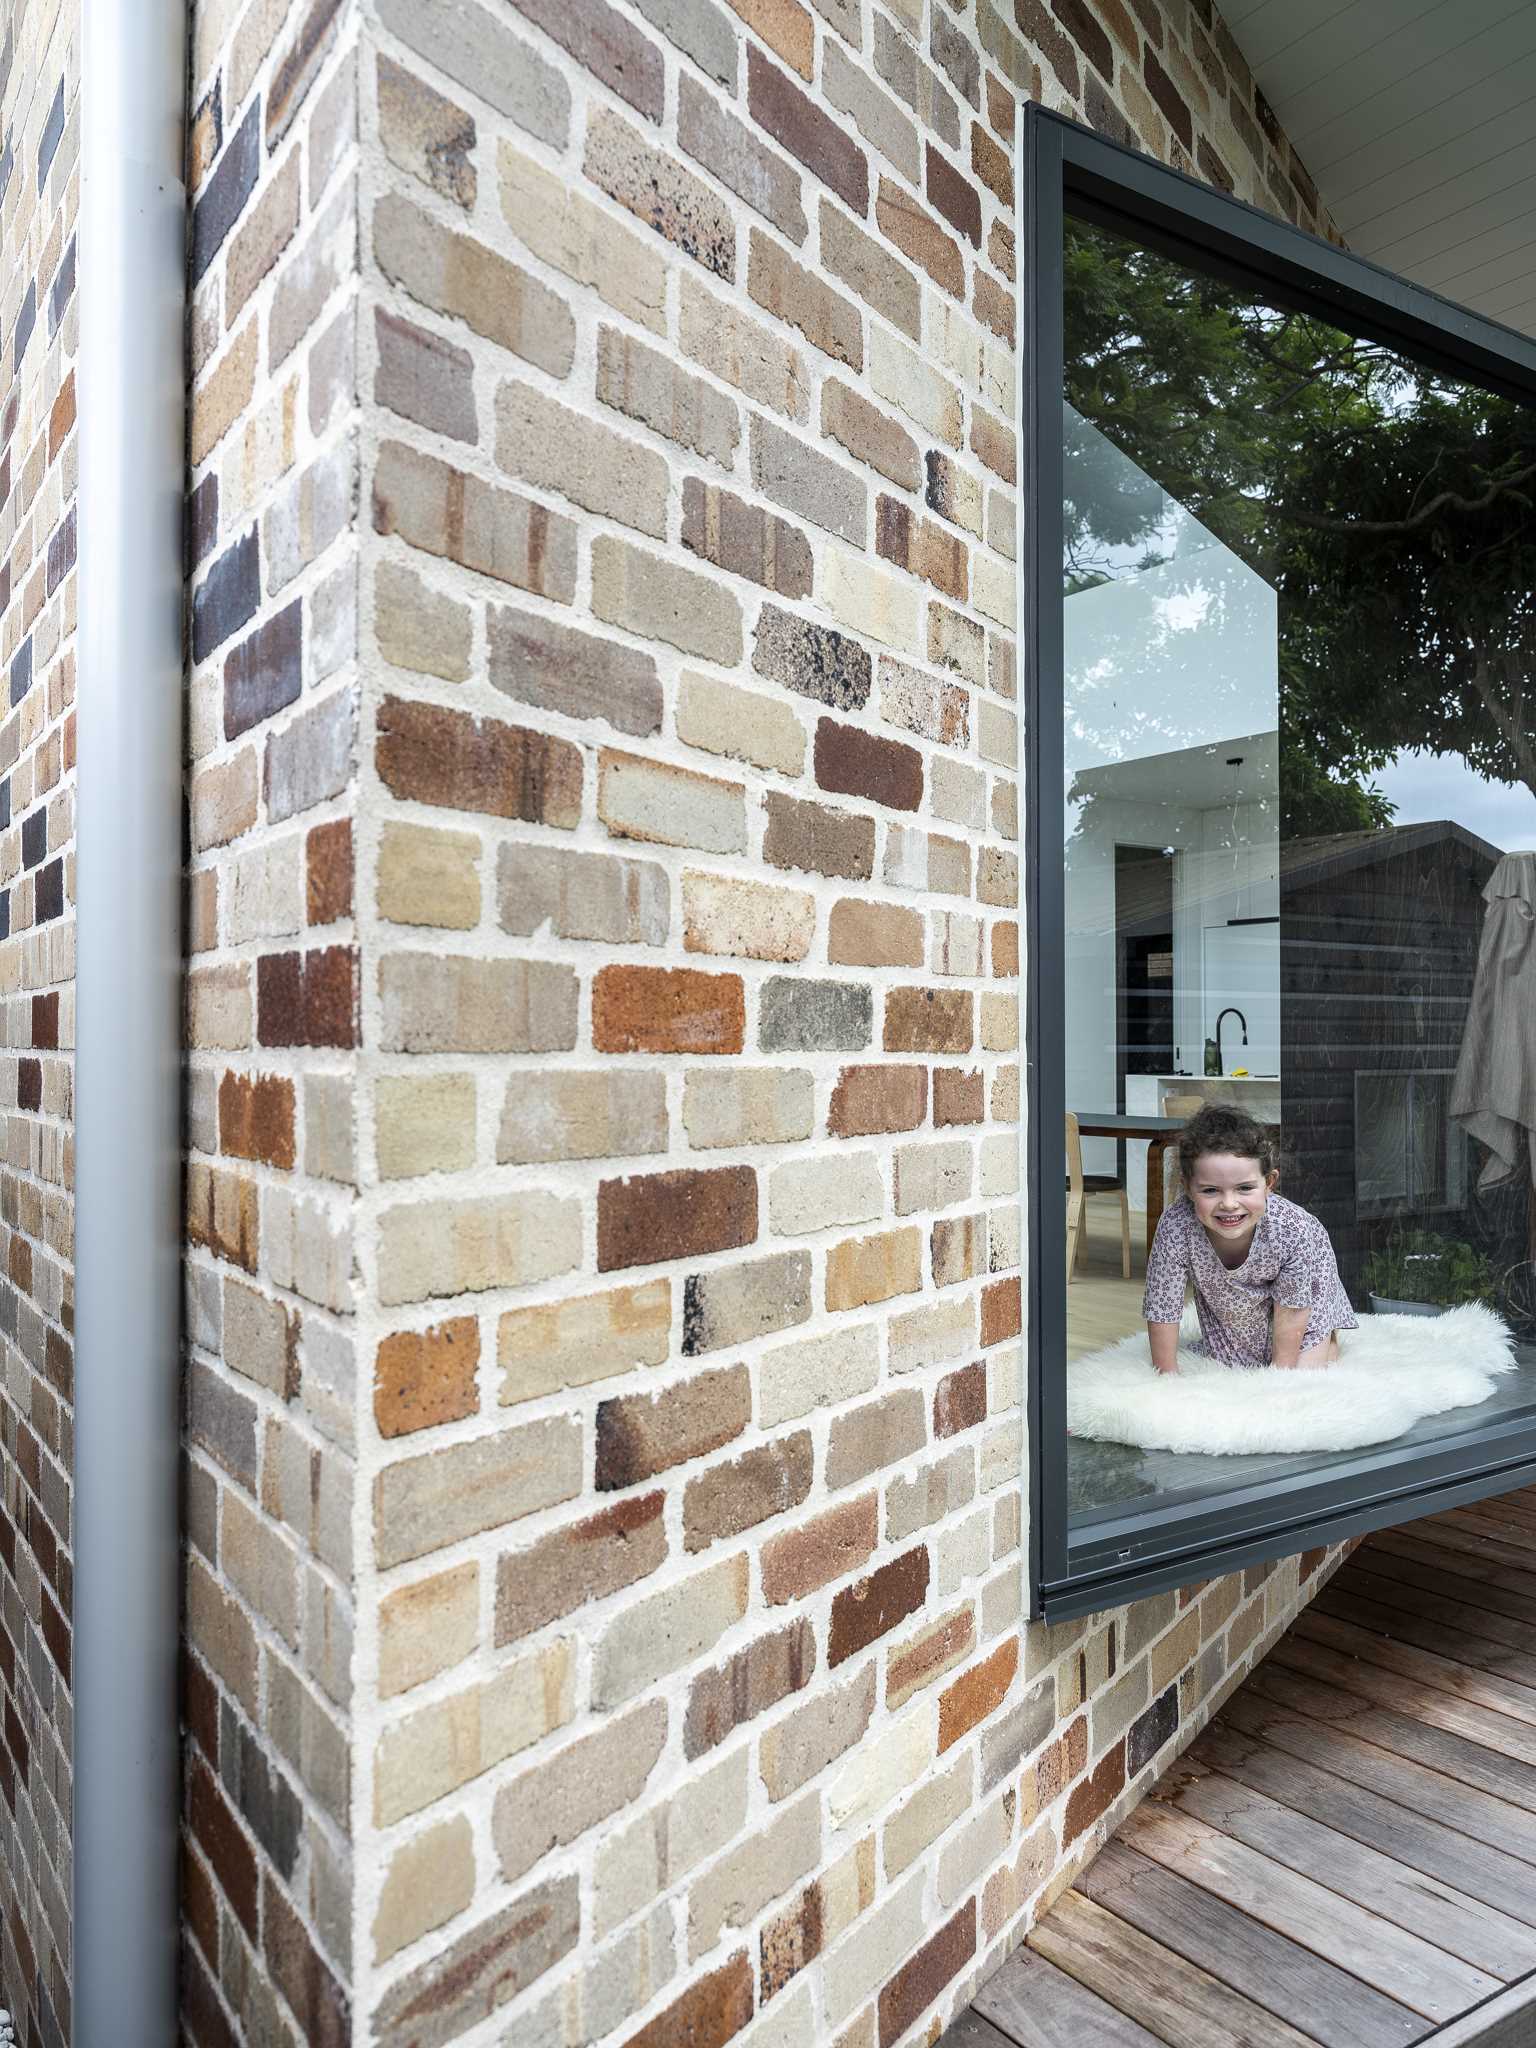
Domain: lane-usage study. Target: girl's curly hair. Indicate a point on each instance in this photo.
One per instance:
(1221, 1127)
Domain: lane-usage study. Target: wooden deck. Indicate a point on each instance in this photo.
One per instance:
(1346, 1856)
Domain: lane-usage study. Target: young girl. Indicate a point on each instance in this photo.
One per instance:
(1267, 1287)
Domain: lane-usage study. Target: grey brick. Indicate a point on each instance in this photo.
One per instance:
(814, 1016)
(795, 476)
(472, 46)
(312, 759)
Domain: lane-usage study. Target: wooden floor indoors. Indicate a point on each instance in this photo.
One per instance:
(1347, 1855)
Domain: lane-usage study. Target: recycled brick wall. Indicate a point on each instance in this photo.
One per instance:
(692, 1699)
(271, 1024)
(39, 193)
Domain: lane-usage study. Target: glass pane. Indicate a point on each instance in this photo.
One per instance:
(1300, 857)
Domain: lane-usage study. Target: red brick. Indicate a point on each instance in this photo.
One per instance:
(806, 131)
(707, 2014)
(639, 1435)
(872, 1606)
(425, 1377)
(677, 1215)
(852, 762)
(867, 1100)
(960, 1400)
(256, 1118)
(976, 1693)
(1002, 1314)
(667, 1009)
(457, 762)
(804, 1560)
(584, 1561)
(309, 998)
(928, 1020)
(1097, 1792)
(958, 1097)
(328, 872)
(300, 1972)
(918, 1982)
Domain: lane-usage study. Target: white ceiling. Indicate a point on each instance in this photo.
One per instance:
(1417, 119)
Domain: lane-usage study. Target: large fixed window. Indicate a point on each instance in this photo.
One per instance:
(1279, 609)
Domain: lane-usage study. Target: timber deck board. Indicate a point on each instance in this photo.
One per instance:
(1346, 1856)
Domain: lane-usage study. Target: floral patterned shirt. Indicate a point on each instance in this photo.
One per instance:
(1290, 1264)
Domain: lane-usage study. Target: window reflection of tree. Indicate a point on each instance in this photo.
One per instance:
(1392, 510)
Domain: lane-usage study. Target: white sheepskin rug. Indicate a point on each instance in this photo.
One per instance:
(1391, 1372)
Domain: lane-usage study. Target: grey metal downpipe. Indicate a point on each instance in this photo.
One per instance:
(132, 429)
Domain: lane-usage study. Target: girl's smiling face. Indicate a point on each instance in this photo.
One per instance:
(1229, 1194)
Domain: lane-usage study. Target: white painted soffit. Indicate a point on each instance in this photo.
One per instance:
(1417, 120)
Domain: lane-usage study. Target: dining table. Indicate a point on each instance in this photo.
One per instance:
(1159, 1132)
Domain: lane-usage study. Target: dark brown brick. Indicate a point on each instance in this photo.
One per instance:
(328, 872)
(458, 762)
(667, 1009)
(872, 1606)
(1089, 37)
(584, 1561)
(256, 1117)
(222, 1840)
(1212, 167)
(812, 660)
(960, 1400)
(918, 235)
(29, 1084)
(763, 1482)
(1050, 44)
(806, 131)
(818, 839)
(918, 1982)
(307, 998)
(1171, 100)
(747, 1685)
(602, 42)
(1097, 1792)
(45, 1021)
(928, 1020)
(954, 195)
(803, 1560)
(871, 1100)
(425, 1377)
(852, 762)
(707, 2014)
(745, 539)
(679, 1215)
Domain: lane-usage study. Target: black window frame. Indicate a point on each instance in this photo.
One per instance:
(1067, 169)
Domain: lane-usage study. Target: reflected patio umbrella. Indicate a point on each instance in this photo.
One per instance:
(1493, 1095)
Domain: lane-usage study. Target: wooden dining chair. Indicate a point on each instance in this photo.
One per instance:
(1080, 1186)
(1184, 1106)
